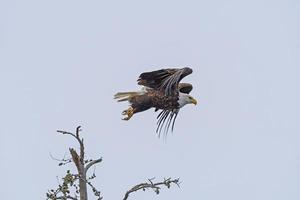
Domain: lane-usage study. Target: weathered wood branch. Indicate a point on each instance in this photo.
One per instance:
(87, 167)
(75, 158)
(150, 185)
(69, 133)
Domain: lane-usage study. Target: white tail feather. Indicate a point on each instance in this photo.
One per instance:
(126, 96)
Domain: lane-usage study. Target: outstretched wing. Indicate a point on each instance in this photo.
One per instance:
(164, 79)
(165, 119)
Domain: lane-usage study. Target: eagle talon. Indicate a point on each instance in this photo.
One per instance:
(128, 112)
(126, 118)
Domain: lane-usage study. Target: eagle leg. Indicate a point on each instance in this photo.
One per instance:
(129, 112)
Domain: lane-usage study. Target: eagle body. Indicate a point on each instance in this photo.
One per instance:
(161, 90)
(154, 99)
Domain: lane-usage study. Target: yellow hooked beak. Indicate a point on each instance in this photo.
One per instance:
(194, 101)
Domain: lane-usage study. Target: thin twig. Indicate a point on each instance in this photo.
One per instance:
(62, 161)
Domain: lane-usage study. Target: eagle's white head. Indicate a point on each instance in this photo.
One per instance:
(186, 99)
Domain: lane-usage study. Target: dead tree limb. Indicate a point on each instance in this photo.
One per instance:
(150, 185)
(82, 167)
(93, 162)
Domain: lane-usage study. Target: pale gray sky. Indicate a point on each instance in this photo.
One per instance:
(61, 61)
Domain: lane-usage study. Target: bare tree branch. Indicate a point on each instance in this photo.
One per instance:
(73, 135)
(92, 163)
(150, 185)
(96, 192)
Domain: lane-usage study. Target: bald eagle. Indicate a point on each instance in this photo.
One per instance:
(162, 90)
